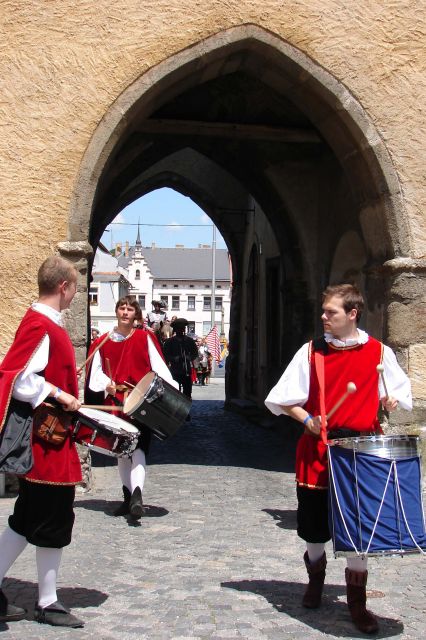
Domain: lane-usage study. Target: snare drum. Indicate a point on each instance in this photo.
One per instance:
(375, 500)
(157, 405)
(105, 433)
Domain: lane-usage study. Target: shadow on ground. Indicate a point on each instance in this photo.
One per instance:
(333, 617)
(108, 507)
(284, 518)
(24, 594)
(216, 437)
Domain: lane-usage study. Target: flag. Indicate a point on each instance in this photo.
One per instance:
(213, 344)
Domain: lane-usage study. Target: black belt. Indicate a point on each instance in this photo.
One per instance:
(342, 432)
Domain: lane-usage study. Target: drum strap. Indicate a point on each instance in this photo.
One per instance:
(319, 367)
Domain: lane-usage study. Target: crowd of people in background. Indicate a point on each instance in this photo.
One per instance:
(157, 321)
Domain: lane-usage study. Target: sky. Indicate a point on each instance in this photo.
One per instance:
(167, 218)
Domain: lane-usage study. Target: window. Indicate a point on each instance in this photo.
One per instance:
(191, 327)
(191, 303)
(219, 286)
(207, 326)
(164, 286)
(175, 286)
(137, 274)
(165, 299)
(191, 286)
(218, 303)
(141, 300)
(207, 303)
(175, 303)
(93, 296)
(206, 286)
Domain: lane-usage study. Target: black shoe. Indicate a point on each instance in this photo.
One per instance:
(136, 504)
(124, 508)
(8, 612)
(57, 615)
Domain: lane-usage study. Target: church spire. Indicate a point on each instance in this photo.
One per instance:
(138, 239)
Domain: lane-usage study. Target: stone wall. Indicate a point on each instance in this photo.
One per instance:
(65, 64)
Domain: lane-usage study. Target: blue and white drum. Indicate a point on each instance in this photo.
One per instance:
(375, 498)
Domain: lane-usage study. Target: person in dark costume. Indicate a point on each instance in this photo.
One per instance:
(180, 353)
(40, 365)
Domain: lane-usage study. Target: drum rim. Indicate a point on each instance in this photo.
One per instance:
(376, 438)
(141, 397)
(120, 427)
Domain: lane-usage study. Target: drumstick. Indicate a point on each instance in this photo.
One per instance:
(108, 364)
(381, 371)
(95, 350)
(101, 407)
(351, 388)
(129, 384)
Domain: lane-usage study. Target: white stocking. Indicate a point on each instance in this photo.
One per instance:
(48, 561)
(315, 550)
(124, 469)
(357, 564)
(11, 545)
(138, 472)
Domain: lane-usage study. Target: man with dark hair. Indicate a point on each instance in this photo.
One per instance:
(125, 357)
(350, 296)
(348, 354)
(40, 365)
(180, 352)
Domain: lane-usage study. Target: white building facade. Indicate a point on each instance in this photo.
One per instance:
(109, 283)
(180, 277)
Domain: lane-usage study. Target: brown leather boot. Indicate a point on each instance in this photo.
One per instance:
(316, 572)
(356, 582)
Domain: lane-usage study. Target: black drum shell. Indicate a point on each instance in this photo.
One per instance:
(163, 414)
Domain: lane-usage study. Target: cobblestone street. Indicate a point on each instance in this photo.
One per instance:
(216, 555)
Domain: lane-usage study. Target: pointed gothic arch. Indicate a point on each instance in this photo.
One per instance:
(128, 156)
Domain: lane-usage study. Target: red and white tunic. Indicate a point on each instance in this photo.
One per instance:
(125, 359)
(354, 362)
(42, 353)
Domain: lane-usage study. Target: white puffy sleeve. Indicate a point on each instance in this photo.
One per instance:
(158, 365)
(293, 386)
(29, 385)
(397, 382)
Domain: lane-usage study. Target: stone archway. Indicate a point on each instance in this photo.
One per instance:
(302, 162)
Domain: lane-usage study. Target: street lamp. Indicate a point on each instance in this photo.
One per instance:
(213, 302)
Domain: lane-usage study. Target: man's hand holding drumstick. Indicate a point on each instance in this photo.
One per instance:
(313, 423)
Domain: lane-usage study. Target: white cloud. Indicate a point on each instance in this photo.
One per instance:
(175, 227)
(113, 227)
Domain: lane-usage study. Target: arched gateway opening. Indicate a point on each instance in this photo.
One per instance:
(286, 163)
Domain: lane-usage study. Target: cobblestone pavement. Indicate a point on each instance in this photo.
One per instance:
(216, 557)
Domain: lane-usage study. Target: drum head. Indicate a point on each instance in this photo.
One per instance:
(112, 422)
(138, 394)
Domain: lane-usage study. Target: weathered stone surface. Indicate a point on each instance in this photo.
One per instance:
(406, 323)
(417, 359)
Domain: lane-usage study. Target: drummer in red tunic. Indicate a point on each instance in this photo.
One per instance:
(125, 357)
(348, 355)
(40, 365)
